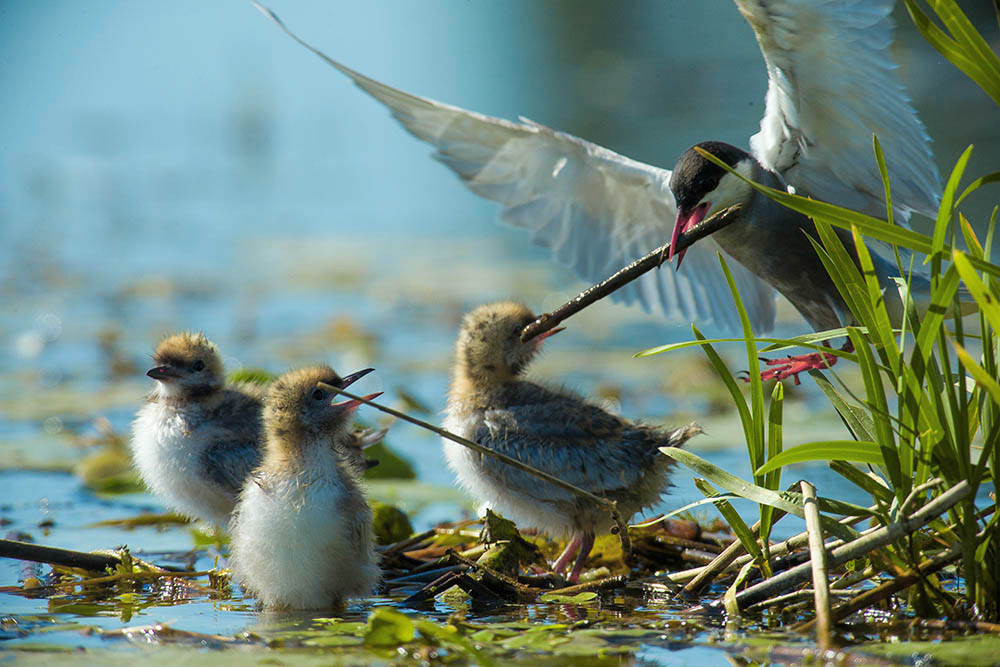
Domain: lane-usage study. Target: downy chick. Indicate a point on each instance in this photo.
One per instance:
(302, 530)
(550, 429)
(196, 439)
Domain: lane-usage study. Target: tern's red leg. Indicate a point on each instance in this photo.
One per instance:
(790, 367)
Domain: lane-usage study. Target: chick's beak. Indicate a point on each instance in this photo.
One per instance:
(685, 221)
(348, 380)
(352, 404)
(551, 332)
(163, 373)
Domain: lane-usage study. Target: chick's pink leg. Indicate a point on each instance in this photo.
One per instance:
(586, 544)
(567, 554)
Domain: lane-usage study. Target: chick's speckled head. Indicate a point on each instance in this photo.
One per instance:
(489, 348)
(297, 409)
(187, 364)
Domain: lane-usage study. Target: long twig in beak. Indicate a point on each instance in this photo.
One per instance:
(608, 505)
(547, 321)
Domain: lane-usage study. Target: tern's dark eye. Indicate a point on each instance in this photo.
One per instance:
(198, 366)
(318, 394)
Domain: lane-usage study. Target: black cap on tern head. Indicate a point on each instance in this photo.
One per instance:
(693, 176)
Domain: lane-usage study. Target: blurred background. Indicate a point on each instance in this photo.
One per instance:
(185, 165)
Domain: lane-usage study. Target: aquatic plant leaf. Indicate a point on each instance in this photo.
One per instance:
(390, 523)
(981, 376)
(750, 491)
(812, 341)
(876, 486)
(947, 204)
(985, 299)
(826, 450)
(387, 628)
(965, 48)
(579, 598)
(250, 374)
(992, 177)
(390, 464)
(855, 417)
(735, 521)
(449, 636)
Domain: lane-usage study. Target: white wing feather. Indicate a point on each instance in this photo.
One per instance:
(595, 209)
(832, 85)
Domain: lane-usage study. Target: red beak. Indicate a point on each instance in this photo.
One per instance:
(684, 222)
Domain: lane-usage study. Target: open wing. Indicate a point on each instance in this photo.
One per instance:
(595, 209)
(832, 84)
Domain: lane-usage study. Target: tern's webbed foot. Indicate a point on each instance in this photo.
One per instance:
(790, 367)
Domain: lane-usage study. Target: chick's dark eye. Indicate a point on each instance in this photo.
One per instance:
(198, 365)
(318, 394)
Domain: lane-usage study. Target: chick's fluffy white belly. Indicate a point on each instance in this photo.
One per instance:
(491, 493)
(168, 456)
(291, 545)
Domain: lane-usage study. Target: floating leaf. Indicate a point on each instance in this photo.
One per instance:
(387, 628)
(579, 598)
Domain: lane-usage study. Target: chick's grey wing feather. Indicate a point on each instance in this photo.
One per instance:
(229, 465)
(832, 84)
(237, 431)
(595, 209)
(560, 437)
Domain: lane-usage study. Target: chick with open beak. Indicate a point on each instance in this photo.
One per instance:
(550, 429)
(302, 530)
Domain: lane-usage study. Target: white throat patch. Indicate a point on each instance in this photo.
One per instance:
(731, 189)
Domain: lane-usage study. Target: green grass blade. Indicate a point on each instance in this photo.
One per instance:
(941, 299)
(732, 517)
(772, 480)
(876, 488)
(883, 171)
(746, 419)
(992, 177)
(971, 240)
(947, 204)
(755, 436)
(880, 414)
(880, 328)
(987, 301)
(812, 341)
(855, 417)
(826, 450)
(978, 373)
(966, 50)
(748, 490)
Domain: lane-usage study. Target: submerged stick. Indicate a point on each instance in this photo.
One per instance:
(863, 545)
(609, 505)
(881, 592)
(709, 572)
(650, 261)
(817, 556)
(779, 549)
(57, 556)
